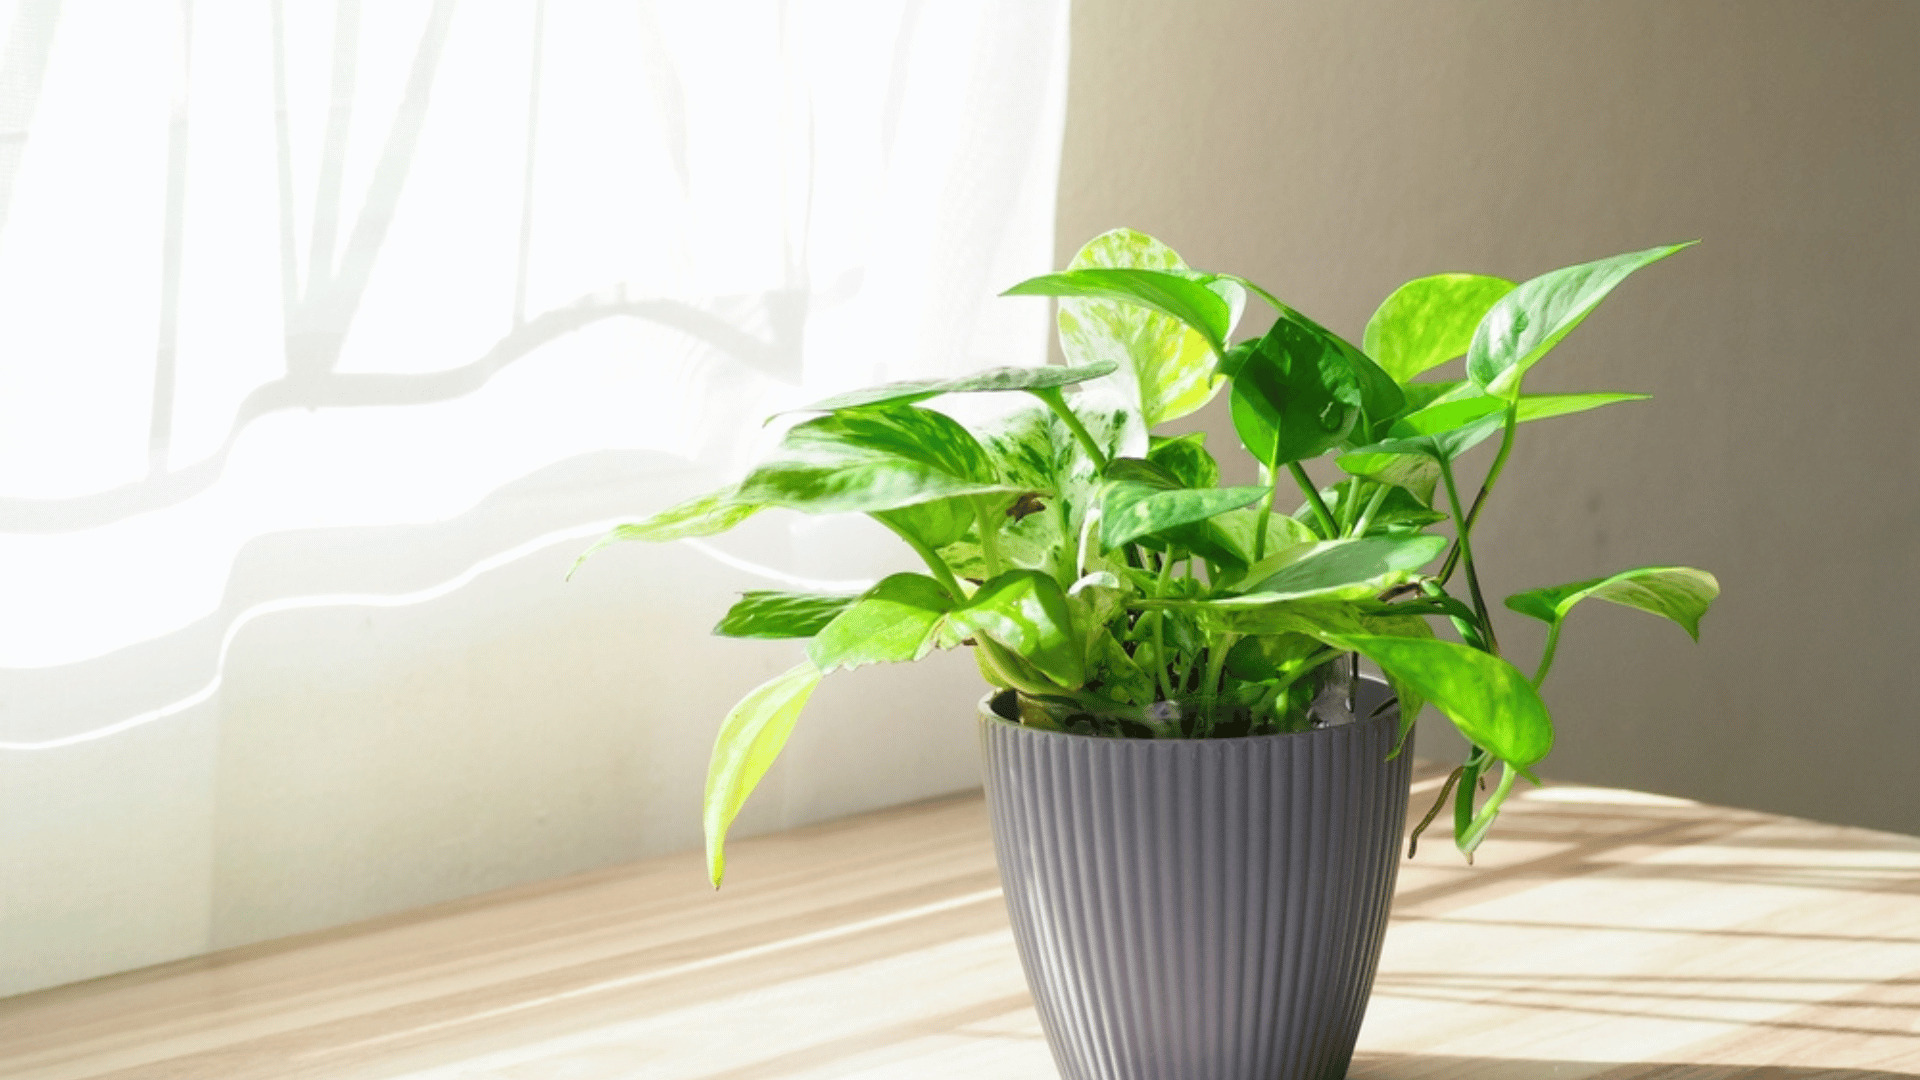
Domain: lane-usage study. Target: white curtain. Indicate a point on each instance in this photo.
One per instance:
(311, 311)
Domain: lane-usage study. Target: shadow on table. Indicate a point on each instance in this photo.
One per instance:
(1445, 1067)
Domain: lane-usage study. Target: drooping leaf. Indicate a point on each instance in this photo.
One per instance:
(770, 614)
(1533, 318)
(1429, 321)
(1167, 368)
(1488, 699)
(896, 621)
(1680, 593)
(704, 515)
(1140, 498)
(1026, 611)
(992, 380)
(864, 460)
(750, 738)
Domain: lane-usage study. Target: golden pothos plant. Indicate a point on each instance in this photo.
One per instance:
(1103, 574)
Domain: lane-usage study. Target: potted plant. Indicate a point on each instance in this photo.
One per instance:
(1196, 801)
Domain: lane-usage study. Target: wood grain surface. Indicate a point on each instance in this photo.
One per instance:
(1602, 934)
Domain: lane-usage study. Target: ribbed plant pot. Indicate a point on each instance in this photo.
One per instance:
(1199, 909)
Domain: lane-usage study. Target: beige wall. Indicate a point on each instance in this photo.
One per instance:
(1332, 151)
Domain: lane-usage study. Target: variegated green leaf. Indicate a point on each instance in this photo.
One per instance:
(1533, 318)
(1679, 593)
(865, 460)
(1167, 366)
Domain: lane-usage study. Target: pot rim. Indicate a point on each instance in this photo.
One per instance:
(985, 709)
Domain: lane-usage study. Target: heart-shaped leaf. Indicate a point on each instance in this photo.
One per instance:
(989, 381)
(1429, 321)
(1167, 368)
(1680, 593)
(768, 614)
(750, 738)
(896, 621)
(1533, 318)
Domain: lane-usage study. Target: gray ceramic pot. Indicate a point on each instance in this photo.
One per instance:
(1199, 909)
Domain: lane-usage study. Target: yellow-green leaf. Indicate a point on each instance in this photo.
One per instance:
(750, 738)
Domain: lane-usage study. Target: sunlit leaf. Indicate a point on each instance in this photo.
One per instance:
(1429, 321)
(1167, 368)
(1488, 699)
(768, 614)
(1533, 318)
(1680, 593)
(750, 738)
(893, 622)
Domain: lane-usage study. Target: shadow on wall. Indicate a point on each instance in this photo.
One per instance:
(408, 302)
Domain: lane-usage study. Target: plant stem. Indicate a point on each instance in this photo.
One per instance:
(1056, 401)
(1482, 821)
(1008, 665)
(1479, 500)
(1466, 556)
(1349, 505)
(1373, 507)
(1266, 505)
(1313, 496)
(1210, 684)
(1546, 655)
(935, 563)
(989, 535)
(1161, 664)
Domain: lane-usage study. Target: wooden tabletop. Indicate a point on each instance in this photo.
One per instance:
(1602, 934)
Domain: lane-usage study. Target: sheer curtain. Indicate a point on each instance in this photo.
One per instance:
(328, 335)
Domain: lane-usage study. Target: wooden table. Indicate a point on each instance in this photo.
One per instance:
(1603, 934)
